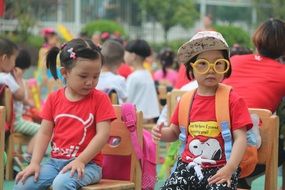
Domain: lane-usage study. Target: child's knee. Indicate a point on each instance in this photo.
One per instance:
(62, 184)
(28, 185)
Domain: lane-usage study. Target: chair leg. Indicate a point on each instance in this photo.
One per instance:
(9, 165)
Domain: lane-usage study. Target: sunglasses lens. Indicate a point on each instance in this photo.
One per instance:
(221, 65)
(201, 65)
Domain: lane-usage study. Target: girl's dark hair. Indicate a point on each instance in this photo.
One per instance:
(269, 38)
(7, 47)
(69, 52)
(23, 60)
(189, 68)
(139, 47)
(166, 57)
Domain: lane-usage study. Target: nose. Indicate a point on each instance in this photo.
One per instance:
(211, 68)
(89, 82)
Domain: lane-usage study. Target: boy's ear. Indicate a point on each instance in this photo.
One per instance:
(3, 57)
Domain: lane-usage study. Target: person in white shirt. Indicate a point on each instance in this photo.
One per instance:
(109, 80)
(140, 85)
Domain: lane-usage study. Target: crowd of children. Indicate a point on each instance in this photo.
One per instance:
(90, 69)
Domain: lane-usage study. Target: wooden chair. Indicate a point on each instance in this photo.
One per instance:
(2, 144)
(125, 148)
(172, 100)
(114, 97)
(268, 152)
(14, 138)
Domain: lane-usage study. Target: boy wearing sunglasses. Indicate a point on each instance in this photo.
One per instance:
(203, 163)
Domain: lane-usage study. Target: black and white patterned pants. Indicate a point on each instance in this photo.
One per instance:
(186, 179)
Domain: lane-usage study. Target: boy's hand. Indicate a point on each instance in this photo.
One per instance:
(28, 171)
(223, 175)
(75, 166)
(17, 73)
(156, 133)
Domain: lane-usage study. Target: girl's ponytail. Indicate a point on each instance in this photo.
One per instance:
(51, 61)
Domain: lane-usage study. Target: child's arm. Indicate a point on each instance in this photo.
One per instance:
(20, 93)
(94, 146)
(41, 143)
(239, 147)
(167, 134)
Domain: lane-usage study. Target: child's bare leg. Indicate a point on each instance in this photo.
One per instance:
(31, 145)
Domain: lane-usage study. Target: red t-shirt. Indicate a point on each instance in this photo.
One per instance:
(75, 122)
(204, 136)
(124, 70)
(259, 80)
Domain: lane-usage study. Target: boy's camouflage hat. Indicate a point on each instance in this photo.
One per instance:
(201, 42)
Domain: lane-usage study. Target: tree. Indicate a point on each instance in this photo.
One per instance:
(170, 13)
(269, 8)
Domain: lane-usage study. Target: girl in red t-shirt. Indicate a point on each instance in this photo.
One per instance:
(203, 162)
(76, 119)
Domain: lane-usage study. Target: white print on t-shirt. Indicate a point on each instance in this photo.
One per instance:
(70, 152)
(86, 123)
(73, 149)
(210, 149)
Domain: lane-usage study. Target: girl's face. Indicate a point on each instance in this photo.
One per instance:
(7, 63)
(211, 78)
(82, 78)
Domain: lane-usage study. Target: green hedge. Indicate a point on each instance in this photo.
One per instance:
(102, 26)
(234, 34)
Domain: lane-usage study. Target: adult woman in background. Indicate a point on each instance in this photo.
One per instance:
(260, 78)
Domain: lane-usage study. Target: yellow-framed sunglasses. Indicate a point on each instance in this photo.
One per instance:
(203, 66)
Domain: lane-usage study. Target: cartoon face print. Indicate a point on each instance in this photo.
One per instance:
(196, 147)
(210, 149)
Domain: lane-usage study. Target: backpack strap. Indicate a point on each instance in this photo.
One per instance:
(185, 105)
(223, 116)
(130, 119)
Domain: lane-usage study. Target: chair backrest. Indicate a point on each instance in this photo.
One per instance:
(268, 152)
(120, 135)
(172, 99)
(2, 144)
(114, 97)
(6, 100)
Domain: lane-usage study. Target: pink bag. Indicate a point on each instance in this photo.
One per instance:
(147, 155)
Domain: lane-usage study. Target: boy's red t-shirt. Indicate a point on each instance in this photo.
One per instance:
(124, 70)
(204, 137)
(75, 122)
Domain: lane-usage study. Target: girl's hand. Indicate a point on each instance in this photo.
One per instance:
(75, 166)
(28, 171)
(156, 133)
(223, 175)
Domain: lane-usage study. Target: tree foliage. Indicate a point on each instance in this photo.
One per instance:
(102, 26)
(170, 12)
(235, 35)
(269, 8)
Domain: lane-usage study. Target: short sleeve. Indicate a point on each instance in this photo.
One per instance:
(11, 83)
(105, 110)
(46, 112)
(240, 116)
(174, 116)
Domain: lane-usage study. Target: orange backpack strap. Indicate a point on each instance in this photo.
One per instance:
(184, 108)
(222, 115)
(222, 103)
(184, 116)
